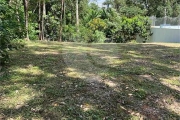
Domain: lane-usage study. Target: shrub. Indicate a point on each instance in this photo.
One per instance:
(98, 37)
(131, 27)
(85, 34)
(9, 30)
(4, 56)
(70, 33)
(16, 44)
(4, 49)
(33, 33)
(97, 24)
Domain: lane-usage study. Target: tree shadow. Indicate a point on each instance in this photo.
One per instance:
(125, 91)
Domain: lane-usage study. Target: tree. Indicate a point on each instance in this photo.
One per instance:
(43, 20)
(61, 20)
(25, 3)
(156, 7)
(176, 9)
(108, 3)
(117, 4)
(9, 28)
(77, 15)
(39, 20)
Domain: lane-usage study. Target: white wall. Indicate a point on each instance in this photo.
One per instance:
(168, 35)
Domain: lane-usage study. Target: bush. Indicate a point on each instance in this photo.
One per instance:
(4, 56)
(89, 36)
(98, 37)
(97, 24)
(33, 33)
(9, 30)
(16, 44)
(70, 33)
(124, 29)
(85, 34)
(131, 27)
(11, 45)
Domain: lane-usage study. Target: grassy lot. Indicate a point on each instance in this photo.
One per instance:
(53, 81)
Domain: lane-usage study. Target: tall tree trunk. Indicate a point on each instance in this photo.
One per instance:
(61, 21)
(43, 20)
(17, 11)
(77, 16)
(72, 16)
(39, 22)
(64, 13)
(25, 3)
(18, 6)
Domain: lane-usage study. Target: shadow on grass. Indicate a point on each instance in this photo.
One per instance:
(130, 90)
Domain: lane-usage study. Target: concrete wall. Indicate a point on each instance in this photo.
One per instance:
(168, 35)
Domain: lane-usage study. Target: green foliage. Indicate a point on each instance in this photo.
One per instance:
(5, 32)
(85, 34)
(142, 27)
(70, 33)
(10, 45)
(9, 29)
(156, 7)
(97, 24)
(90, 36)
(176, 10)
(126, 29)
(16, 44)
(113, 22)
(121, 21)
(131, 11)
(4, 57)
(52, 28)
(33, 33)
(98, 37)
(92, 13)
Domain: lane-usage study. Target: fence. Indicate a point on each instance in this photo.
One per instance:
(174, 21)
(165, 29)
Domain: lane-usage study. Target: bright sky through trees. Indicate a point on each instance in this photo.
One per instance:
(99, 2)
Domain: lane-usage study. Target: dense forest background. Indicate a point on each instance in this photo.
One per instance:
(78, 20)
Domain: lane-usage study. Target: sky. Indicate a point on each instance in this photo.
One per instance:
(99, 2)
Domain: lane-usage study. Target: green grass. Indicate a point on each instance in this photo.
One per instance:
(51, 80)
